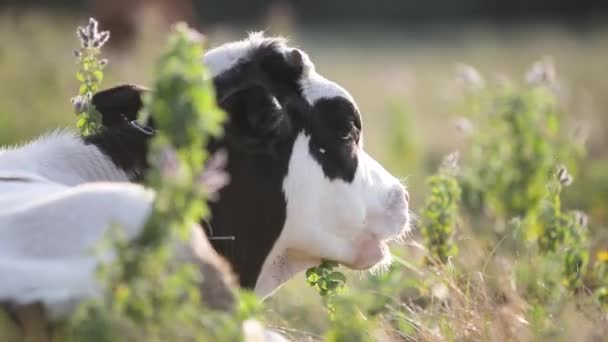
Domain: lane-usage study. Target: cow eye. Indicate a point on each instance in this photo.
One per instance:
(352, 134)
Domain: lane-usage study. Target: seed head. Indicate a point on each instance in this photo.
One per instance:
(103, 37)
(581, 218)
(563, 176)
(468, 76)
(89, 36)
(92, 27)
(464, 125)
(449, 164)
(80, 104)
(541, 73)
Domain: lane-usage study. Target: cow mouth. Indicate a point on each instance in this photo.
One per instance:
(371, 252)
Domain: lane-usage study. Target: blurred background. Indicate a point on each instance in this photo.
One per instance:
(399, 59)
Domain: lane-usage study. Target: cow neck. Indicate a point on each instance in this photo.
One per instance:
(251, 208)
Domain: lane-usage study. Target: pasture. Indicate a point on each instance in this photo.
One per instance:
(489, 275)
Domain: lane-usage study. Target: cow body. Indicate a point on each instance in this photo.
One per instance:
(302, 189)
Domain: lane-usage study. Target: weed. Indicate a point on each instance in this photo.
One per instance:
(90, 75)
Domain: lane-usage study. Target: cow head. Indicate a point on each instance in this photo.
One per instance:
(302, 188)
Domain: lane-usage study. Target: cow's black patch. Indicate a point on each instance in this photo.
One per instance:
(261, 95)
(119, 104)
(126, 146)
(334, 126)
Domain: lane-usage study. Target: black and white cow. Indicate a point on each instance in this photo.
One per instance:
(302, 188)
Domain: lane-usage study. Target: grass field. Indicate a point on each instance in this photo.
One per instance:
(407, 88)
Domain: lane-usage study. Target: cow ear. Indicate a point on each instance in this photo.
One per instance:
(120, 104)
(255, 114)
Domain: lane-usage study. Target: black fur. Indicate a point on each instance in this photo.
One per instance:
(334, 126)
(119, 104)
(127, 146)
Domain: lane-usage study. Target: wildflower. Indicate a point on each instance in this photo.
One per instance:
(168, 163)
(464, 125)
(469, 77)
(80, 103)
(83, 37)
(90, 74)
(89, 36)
(191, 34)
(602, 255)
(103, 37)
(581, 218)
(449, 164)
(563, 176)
(541, 73)
(214, 178)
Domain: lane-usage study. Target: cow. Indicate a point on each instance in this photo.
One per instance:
(301, 189)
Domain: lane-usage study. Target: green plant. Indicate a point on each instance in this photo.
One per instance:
(90, 75)
(440, 215)
(147, 297)
(326, 281)
(518, 138)
(600, 273)
(563, 233)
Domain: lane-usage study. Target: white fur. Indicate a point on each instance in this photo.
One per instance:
(314, 86)
(61, 157)
(346, 222)
(48, 234)
(54, 209)
(225, 56)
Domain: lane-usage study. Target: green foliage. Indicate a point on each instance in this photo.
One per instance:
(516, 143)
(440, 213)
(90, 75)
(600, 273)
(147, 297)
(563, 234)
(326, 281)
(350, 323)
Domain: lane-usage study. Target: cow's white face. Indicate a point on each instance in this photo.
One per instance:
(346, 221)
